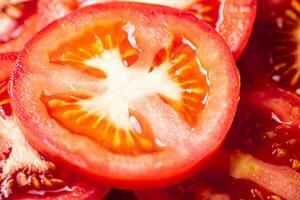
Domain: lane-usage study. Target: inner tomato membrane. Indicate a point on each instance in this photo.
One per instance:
(13, 16)
(108, 51)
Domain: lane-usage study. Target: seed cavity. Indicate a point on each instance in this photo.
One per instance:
(286, 47)
(21, 167)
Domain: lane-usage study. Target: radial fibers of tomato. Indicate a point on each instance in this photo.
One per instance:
(134, 95)
(17, 23)
(232, 19)
(284, 17)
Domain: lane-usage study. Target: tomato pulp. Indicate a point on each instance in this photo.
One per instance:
(130, 95)
(24, 173)
(232, 19)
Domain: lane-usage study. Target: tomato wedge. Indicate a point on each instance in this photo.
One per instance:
(232, 19)
(134, 95)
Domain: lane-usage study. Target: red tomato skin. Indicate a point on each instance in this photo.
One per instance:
(131, 181)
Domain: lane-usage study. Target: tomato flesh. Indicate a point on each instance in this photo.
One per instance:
(232, 19)
(126, 94)
(30, 176)
(120, 133)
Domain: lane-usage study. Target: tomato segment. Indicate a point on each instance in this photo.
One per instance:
(141, 93)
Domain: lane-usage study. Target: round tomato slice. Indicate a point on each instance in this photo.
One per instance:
(232, 19)
(17, 24)
(134, 95)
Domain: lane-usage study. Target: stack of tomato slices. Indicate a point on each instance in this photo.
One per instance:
(144, 96)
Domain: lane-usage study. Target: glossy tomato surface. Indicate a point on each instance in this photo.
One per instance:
(24, 173)
(128, 95)
(260, 155)
(232, 19)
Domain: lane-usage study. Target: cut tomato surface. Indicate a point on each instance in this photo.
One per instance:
(274, 49)
(17, 24)
(285, 40)
(24, 173)
(134, 95)
(266, 130)
(232, 19)
(50, 10)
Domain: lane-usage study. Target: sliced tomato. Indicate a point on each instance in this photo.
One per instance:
(271, 53)
(282, 22)
(232, 19)
(24, 174)
(266, 129)
(17, 24)
(129, 94)
(50, 10)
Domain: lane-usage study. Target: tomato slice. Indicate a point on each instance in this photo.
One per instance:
(17, 24)
(266, 130)
(232, 19)
(285, 42)
(50, 10)
(130, 96)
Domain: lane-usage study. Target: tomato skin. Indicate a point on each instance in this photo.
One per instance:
(143, 177)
